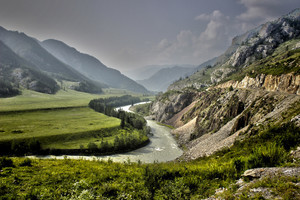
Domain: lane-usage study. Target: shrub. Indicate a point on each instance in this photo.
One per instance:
(238, 165)
(26, 162)
(269, 155)
(6, 162)
(287, 135)
(92, 146)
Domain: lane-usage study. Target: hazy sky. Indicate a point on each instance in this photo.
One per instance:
(126, 34)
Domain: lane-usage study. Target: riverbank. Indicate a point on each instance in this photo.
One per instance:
(162, 147)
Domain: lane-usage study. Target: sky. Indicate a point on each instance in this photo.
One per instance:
(129, 34)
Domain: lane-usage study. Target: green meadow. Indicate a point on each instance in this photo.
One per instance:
(24, 178)
(60, 121)
(54, 124)
(30, 100)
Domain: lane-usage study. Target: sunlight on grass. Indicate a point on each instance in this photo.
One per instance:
(53, 122)
(30, 100)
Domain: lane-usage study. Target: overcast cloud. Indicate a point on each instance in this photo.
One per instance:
(126, 34)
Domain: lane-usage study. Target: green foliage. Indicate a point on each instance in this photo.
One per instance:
(30, 146)
(7, 90)
(100, 104)
(129, 119)
(198, 179)
(49, 128)
(92, 146)
(281, 186)
(88, 87)
(26, 162)
(268, 155)
(142, 109)
(31, 100)
(287, 135)
(6, 162)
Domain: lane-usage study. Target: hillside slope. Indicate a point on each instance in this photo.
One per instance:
(90, 66)
(16, 72)
(164, 77)
(41, 60)
(245, 49)
(256, 85)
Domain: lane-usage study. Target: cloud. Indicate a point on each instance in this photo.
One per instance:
(257, 10)
(163, 44)
(215, 15)
(189, 47)
(260, 11)
(196, 48)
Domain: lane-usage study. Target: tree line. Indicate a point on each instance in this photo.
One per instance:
(115, 101)
(107, 107)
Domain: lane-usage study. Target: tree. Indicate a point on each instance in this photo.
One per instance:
(92, 146)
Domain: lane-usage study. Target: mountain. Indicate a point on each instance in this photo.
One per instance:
(252, 89)
(146, 72)
(247, 48)
(15, 72)
(164, 77)
(41, 60)
(90, 66)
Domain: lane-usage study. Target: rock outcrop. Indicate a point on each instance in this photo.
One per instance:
(261, 42)
(288, 83)
(169, 104)
(210, 120)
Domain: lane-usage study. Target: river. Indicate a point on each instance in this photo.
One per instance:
(162, 147)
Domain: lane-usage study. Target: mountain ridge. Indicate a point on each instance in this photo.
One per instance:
(164, 77)
(16, 71)
(91, 66)
(245, 49)
(254, 85)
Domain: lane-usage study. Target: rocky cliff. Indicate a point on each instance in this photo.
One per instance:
(248, 48)
(253, 85)
(257, 44)
(288, 83)
(211, 120)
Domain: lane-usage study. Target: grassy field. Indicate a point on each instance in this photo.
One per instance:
(43, 123)
(96, 138)
(22, 178)
(60, 121)
(30, 100)
(34, 100)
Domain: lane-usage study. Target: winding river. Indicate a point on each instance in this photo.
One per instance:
(162, 147)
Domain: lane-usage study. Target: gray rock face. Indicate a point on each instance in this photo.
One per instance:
(261, 42)
(259, 173)
(167, 106)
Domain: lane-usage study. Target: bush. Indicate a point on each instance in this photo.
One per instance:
(269, 155)
(26, 162)
(6, 162)
(287, 135)
(92, 146)
(238, 165)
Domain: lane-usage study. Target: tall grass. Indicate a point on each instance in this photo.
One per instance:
(268, 155)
